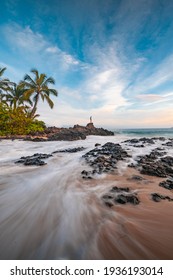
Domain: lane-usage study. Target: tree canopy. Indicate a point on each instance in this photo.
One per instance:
(18, 102)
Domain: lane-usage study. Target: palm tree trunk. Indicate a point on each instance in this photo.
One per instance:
(35, 106)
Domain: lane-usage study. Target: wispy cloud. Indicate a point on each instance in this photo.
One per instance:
(28, 42)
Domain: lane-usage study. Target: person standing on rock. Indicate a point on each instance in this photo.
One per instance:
(91, 119)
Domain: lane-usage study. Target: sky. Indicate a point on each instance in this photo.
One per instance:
(111, 59)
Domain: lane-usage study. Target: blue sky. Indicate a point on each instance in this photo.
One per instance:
(112, 59)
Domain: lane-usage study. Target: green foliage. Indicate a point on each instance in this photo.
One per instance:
(17, 122)
(17, 109)
(38, 87)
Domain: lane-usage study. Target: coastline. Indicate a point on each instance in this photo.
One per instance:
(65, 212)
(77, 132)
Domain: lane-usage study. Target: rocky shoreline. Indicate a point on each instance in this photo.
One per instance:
(87, 189)
(103, 159)
(77, 132)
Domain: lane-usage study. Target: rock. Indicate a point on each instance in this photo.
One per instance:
(36, 162)
(158, 197)
(121, 195)
(140, 141)
(35, 159)
(107, 196)
(97, 144)
(109, 204)
(132, 141)
(130, 198)
(153, 169)
(133, 199)
(84, 172)
(154, 166)
(136, 178)
(159, 138)
(132, 165)
(168, 184)
(116, 189)
(168, 160)
(122, 199)
(105, 158)
(67, 135)
(168, 144)
(71, 150)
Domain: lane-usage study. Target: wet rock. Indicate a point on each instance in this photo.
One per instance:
(147, 140)
(159, 138)
(84, 172)
(136, 178)
(139, 146)
(116, 189)
(109, 204)
(71, 150)
(67, 135)
(107, 196)
(154, 169)
(132, 165)
(155, 165)
(97, 145)
(168, 184)
(140, 141)
(104, 159)
(158, 197)
(130, 198)
(167, 160)
(122, 199)
(35, 159)
(87, 177)
(168, 144)
(121, 196)
(132, 141)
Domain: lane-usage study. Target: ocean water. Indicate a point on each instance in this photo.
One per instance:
(145, 132)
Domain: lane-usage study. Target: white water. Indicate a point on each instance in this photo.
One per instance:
(50, 212)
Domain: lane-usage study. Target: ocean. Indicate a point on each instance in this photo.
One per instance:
(145, 132)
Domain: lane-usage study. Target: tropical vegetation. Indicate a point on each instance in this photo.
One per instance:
(19, 102)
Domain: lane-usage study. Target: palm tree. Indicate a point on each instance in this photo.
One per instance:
(16, 96)
(38, 87)
(4, 83)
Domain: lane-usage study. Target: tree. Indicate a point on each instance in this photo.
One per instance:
(4, 83)
(16, 96)
(38, 87)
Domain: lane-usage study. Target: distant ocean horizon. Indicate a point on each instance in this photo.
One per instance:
(145, 132)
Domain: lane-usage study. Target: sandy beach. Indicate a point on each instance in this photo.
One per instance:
(51, 212)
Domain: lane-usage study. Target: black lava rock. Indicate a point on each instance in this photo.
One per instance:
(158, 197)
(71, 150)
(35, 159)
(168, 184)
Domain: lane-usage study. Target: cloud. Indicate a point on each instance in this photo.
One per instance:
(30, 43)
(52, 50)
(161, 74)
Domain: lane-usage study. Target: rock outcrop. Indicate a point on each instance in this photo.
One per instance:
(77, 132)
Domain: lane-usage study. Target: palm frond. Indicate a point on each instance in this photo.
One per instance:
(2, 70)
(49, 101)
(49, 80)
(29, 80)
(35, 71)
(28, 93)
(41, 79)
(53, 91)
(42, 96)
